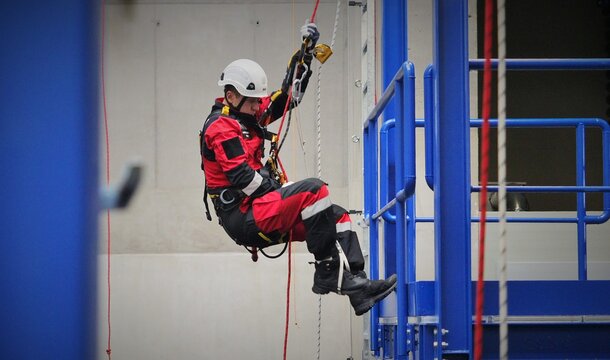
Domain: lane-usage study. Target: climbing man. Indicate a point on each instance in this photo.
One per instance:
(252, 206)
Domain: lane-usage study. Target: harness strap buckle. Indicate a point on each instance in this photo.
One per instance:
(227, 196)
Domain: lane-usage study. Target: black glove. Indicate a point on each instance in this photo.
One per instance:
(310, 31)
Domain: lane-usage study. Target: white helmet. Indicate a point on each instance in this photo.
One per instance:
(248, 78)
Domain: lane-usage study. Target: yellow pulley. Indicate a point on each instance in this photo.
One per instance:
(322, 52)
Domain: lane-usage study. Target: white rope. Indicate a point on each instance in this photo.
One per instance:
(503, 293)
(318, 128)
(318, 98)
(319, 146)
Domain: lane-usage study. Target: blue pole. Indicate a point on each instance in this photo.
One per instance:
(409, 189)
(429, 124)
(384, 167)
(606, 167)
(48, 187)
(581, 203)
(394, 54)
(409, 170)
(452, 179)
(370, 206)
(399, 251)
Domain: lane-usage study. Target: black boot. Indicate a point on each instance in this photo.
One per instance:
(375, 290)
(326, 279)
(363, 293)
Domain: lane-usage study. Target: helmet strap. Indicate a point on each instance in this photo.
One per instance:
(238, 107)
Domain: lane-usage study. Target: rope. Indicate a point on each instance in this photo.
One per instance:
(478, 342)
(503, 294)
(318, 98)
(287, 300)
(313, 16)
(319, 148)
(108, 345)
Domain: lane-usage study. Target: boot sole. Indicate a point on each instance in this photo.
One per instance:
(319, 290)
(323, 291)
(362, 309)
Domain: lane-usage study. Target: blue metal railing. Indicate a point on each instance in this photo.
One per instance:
(402, 87)
(580, 189)
(582, 219)
(377, 174)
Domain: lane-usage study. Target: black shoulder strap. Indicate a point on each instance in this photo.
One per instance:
(204, 150)
(208, 154)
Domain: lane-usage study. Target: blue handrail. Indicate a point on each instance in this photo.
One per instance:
(545, 64)
(429, 124)
(406, 130)
(384, 168)
(402, 87)
(541, 122)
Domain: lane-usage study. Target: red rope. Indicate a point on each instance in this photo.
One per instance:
(315, 9)
(279, 133)
(478, 343)
(287, 298)
(313, 17)
(108, 347)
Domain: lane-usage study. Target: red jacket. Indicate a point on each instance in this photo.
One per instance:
(232, 147)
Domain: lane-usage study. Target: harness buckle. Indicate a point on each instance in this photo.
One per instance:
(227, 199)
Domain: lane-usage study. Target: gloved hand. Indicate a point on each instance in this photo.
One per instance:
(310, 31)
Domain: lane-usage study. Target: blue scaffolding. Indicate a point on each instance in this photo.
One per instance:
(434, 319)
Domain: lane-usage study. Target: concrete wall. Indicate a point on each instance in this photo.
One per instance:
(180, 288)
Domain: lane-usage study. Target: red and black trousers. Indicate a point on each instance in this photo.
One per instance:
(300, 211)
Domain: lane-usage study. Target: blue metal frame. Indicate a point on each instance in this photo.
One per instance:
(394, 32)
(401, 87)
(48, 156)
(446, 303)
(452, 179)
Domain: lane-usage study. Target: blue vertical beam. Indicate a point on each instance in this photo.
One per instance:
(581, 207)
(401, 216)
(452, 178)
(408, 180)
(394, 46)
(605, 174)
(407, 187)
(384, 165)
(394, 54)
(429, 124)
(48, 186)
(370, 207)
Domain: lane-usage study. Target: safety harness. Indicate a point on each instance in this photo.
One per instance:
(230, 195)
